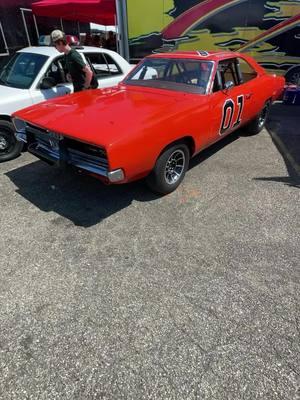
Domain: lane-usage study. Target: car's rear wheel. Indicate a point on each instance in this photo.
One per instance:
(293, 75)
(10, 147)
(258, 123)
(169, 169)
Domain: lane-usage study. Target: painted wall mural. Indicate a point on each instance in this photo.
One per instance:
(268, 29)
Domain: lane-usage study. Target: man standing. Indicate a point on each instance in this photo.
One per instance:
(78, 72)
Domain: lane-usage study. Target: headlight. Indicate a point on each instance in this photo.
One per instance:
(19, 124)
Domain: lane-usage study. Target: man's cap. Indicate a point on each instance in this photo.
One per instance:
(57, 35)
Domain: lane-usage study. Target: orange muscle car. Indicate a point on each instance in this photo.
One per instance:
(168, 108)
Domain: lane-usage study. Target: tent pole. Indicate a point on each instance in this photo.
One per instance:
(78, 29)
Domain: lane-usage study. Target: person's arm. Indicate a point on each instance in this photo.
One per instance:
(88, 76)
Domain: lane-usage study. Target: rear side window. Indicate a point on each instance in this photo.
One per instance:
(246, 71)
(102, 64)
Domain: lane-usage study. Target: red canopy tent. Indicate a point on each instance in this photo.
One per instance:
(98, 11)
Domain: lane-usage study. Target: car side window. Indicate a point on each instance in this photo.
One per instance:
(226, 72)
(247, 73)
(102, 64)
(217, 85)
(56, 71)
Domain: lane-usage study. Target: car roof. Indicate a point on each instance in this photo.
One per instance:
(198, 55)
(51, 51)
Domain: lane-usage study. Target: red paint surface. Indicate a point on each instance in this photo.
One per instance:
(134, 124)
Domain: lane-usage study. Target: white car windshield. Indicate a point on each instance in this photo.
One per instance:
(174, 74)
(22, 69)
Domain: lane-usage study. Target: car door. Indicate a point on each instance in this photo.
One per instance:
(230, 100)
(55, 73)
(251, 84)
(107, 70)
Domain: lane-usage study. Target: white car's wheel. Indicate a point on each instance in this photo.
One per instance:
(9, 146)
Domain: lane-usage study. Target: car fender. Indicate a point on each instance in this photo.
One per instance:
(138, 154)
(12, 99)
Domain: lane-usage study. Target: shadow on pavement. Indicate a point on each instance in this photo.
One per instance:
(213, 149)
(82, 199)
(284, 128)
(86, 201)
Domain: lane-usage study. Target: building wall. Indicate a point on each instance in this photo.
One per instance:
(267, 29)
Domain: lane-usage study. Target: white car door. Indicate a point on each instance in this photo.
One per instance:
(54, 76)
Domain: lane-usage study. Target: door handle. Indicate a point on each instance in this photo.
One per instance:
(248, 96)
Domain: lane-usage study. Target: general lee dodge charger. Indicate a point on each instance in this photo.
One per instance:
(169, 108)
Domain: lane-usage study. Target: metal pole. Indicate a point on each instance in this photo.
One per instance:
(122, 26)
(25, 26)
(5, 44)
(36, 27)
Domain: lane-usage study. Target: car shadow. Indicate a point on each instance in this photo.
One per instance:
(80, 198)
(85, 201)
(211, 150)
(283, 127)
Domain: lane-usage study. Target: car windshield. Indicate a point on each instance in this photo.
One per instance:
(175, 74)
(21, 70)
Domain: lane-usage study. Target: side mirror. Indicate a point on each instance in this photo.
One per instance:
(47, 83)
(228, 85)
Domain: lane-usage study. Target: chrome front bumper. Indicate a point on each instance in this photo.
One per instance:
(52, 149)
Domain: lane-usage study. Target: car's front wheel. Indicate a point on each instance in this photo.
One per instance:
(169, 169)
(10, 147)
(258, 123)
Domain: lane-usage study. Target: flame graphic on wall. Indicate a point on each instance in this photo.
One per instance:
(281, 10)
(263, 29)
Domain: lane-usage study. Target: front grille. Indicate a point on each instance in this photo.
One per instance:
(92, 153)
(58, 149)
(40, 141)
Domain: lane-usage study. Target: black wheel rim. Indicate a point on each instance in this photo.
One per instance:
(263, 116)
(7, 142)
(175, 167)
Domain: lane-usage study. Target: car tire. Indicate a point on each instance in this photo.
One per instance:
(10, 147)
(170, 169)
(293, 75)
(257, 124)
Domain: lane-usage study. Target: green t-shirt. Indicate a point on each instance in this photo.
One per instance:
(75, 65)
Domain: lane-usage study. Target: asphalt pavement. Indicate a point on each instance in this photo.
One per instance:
(110, 292)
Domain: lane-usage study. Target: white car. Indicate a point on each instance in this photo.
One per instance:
(35, 74)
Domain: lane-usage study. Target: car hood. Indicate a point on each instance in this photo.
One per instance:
(104, 116)
(8, 91)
